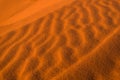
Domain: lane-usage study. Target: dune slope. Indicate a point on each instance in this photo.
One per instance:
(79, 41)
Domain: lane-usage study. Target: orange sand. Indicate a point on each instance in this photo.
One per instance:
(59, 39)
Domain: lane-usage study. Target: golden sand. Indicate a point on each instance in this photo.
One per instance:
(60, 40)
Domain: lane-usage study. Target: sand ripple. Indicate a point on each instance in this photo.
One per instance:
(79, 41)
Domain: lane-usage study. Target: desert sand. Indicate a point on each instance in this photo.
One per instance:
(60, 40)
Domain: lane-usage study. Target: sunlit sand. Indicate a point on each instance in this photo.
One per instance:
(60, 40)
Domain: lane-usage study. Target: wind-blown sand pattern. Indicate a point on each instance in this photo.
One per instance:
(77, 41)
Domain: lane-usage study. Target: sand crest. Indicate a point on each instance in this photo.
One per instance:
(70, 40)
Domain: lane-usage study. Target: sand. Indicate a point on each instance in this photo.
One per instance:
(60, 40)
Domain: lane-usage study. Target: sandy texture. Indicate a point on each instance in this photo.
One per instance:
(79, 40)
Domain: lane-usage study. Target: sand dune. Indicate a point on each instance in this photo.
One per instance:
(78, 40)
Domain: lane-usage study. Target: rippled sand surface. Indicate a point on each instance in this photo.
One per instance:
(60, 40)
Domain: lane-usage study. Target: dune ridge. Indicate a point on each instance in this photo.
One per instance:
(34, 10)
(79, 41)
